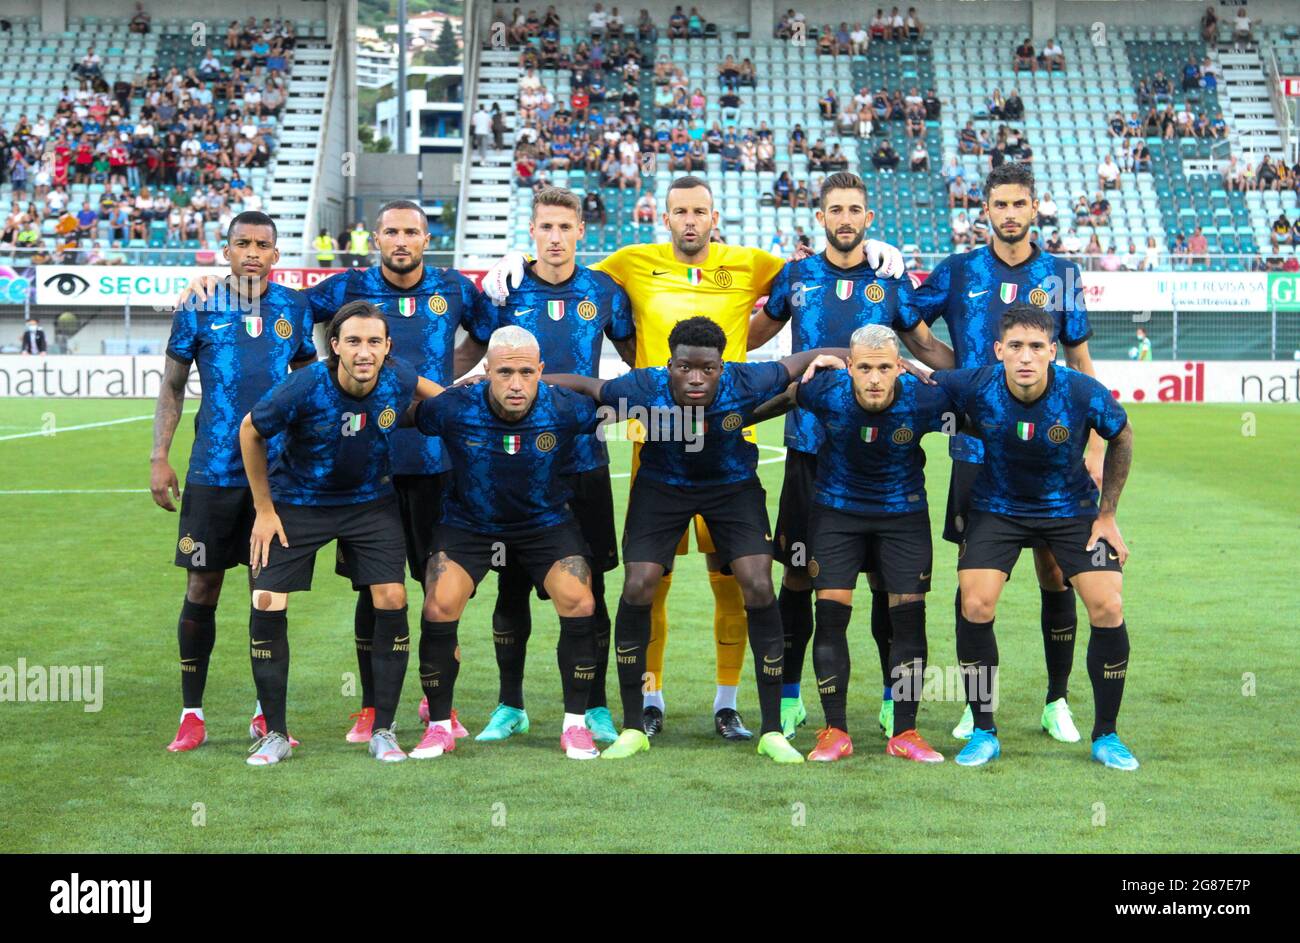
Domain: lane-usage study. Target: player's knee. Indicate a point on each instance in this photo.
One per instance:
(902, 599)
(756, 590)
(796, 578)
(204, 588)
(977, 606)
(437, 610)
(1106, 610)
(639, 588)
(576, 605)
(1049, 572)
(388, 595)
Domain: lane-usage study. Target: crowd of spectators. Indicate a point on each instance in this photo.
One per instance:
(176, 148)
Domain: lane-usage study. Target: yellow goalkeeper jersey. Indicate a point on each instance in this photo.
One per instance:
(724, 287)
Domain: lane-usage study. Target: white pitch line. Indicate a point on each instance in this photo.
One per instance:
(61, 429)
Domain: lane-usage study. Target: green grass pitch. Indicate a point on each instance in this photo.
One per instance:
(1211, 515)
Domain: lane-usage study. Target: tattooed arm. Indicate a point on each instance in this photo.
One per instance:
(167, 414)
(1119, 457)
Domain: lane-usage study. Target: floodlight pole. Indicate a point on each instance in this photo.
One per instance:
(401, 76)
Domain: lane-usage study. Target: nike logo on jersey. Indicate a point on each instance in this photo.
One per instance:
(522, 311)
(976, 294)
(217, 327)
(657, 272)
(811, 288)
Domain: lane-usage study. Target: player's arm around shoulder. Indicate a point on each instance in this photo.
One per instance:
(592, 387)
(425, 389)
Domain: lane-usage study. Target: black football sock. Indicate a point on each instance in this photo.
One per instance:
(439, 665)
(631, 636)
(907, 657)
(1060, 622)
(196, 632)
(389, 656)
(363, 630)
(1107, 668)
(767, 642)
(268, 636)
(831, 660)
(576, 655)
(512, 624)
(797, 626)
(881, 632)
(600, 622)
(977, 655)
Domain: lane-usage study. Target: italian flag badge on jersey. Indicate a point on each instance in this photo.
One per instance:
(1024, 431)
(406, 307)
(843, 289)
(357, 422)
(510, 443)
(1008, 292)
(869, 433)
(555, 310)
(694, 276)
(253, 325)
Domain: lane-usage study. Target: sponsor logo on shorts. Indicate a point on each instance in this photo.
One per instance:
(587, 310)
(814, 568)
(1057, 434)
(437, 304)
(387, 417)
(875, 294)
(902, 436)
(545, 442)
(731, 422)
(186, 545)
(1038, 298)
(283, 329)
(722, 278)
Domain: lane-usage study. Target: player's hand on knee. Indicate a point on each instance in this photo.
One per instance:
(1105, 528)
(266, 528)
(885, 259)
(163, 484)
(507, 273)
(200, 289)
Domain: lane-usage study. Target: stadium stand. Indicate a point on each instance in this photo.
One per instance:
(162, 139)
(1170, 179)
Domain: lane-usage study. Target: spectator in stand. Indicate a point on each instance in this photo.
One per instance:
(968, 141)
(843, 42)
(1099, 210)
(1024, 57)
(695, 24)
(995, 104)
(1209, 25)
(1082, 211)
(912, 23)
(884, 157)
(748, 154)
(629, 175)
(1131, 261)
(825, 41)
(1181, 252)
(859, 40)
(866, 121)
(1108, 174)
(646, 30)
(748, 78)
(1052, 58)
(1047, 211)
(1110, 260)
(1161, 89)
(897, 25)
(140, 20)
(730, 152)
(32, 342)
(799, 198)
(1184, 121)
(1141, 156)
(880, 25)
(1014, 107)
(1266, 175)
(958, 192)
(1198, 248)
(646, 210)
(836, 160)
(593, 209)
(1053, 243)
(961, 229)
(677, 24)
(1191, 74)
(798, 140)
(782, 190)
(920, 159)
(1241, 28)
(829, 104)
(1093, 253)
(846, 125)
(766, 155)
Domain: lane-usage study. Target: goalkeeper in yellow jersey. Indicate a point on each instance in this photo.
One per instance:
(667, 283)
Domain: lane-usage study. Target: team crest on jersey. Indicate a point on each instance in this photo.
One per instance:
(1024, 431)
(731, 422)
(1038, 298)
(694, 276)
(510, 443)
(545, 442)
(870, 433)
(437, 304)
(586, 310)
(1008, 292)
(555, 310)
(875, 294)
(902, 436)
(722, 278)
(387, 417)
(283, 329)
(843, 289)
(253, 325)
(406, 307)
(1057, 434)
(186, 545)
